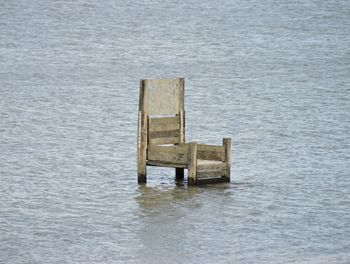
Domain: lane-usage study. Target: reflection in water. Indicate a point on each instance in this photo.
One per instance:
(170, 218)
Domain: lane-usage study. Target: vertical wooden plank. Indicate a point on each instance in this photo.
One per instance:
(142, 148)
(179, 174)
(182, 94)
(182, 126)
(227, 145)
(141, 94)
(192, 168)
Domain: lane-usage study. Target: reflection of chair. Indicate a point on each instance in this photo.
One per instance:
(161, 137)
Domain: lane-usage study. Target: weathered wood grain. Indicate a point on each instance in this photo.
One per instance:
(227, 145)
(192, 167)
(179, 174)
(164, 134)
(181, 148)
(153, 121)
(211, 174)
(166, 155)
(164, 141)
(204, 165)
(178, 157)
(163, 127)
(212, 180)
(165, 164)
(211, 152)
(142, 148)
(162, 96)
(182, 126)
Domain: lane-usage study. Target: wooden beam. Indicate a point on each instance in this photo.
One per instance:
(142, 94)
(210, 166)
(163, 141)
(163, 127)
(179, 174)
(165, 164)
(175, 158)
(227, 144)
(211, 174)
(182, 126)
(211, 152)
(181, 148)
(164, 134)
(212, 180)
(142, 148)
(182, 94)
(153, 121)
(192, 167)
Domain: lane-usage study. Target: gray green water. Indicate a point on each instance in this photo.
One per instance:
(273, 75)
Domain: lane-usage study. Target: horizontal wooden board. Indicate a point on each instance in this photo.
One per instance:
(165, 164)
(211, 152)
(205, 147)
(164, 127)
(175, 158)
(212, 180)
(203, 165)
(163, 141)
(211, 174)
(164, 134)
(182, 148)
(164, 120)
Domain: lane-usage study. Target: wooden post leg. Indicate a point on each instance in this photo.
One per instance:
(142, 174)
(179, 174)
(227, 145)
(142, 149)
(192, 168)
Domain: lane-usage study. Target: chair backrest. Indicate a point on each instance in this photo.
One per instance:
(162, 101)
(162, 97)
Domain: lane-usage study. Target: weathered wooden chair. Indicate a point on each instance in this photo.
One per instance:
(161, 137)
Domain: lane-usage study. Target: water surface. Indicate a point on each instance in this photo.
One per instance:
(274, 76)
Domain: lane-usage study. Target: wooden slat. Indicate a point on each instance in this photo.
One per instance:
(164, 127)
(179, 174)
(164, 120)
(177, 157)
(165, 164)
(181, 96)
(227, 145)
(142, 148)
(215, 148)
(163, 141)
(168, 156)
(210, 166)
(164, 134)
(192, 167)
(211, 152)
(182, 125)
(211, 174)
(141, 95)
(183, 149)
(212, 180)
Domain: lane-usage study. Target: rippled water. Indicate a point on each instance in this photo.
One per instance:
(273, 75)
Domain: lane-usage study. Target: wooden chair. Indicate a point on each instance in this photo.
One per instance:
(161, 137)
